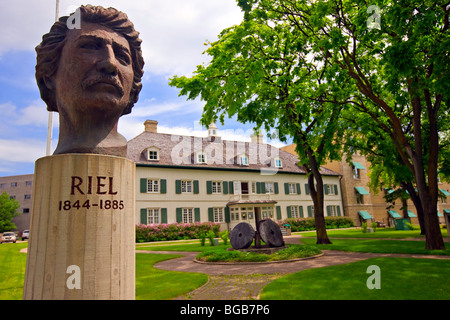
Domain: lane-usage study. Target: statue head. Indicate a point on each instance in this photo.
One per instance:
(91, 76)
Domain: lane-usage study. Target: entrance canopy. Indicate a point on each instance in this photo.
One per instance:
(365, 215)
(411, 214)
(394, 214)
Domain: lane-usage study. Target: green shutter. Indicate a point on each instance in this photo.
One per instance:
(178, 186)
(211, 214)
(144, 215)
(179, 215)
(289, 215)
(230, 187)
(227, 214)
(196, 186)
(335, 189)
(197, 214)
(143, 185)
(208, 187)
(163, 215)
(299, 191)
(275, 187)
(328, 211)
(310, 213)
(306, 188)
(301, 211)
(339, 211)
(286, 188)
(325, 189)
(278, 212)
(225, 187)
(163, 186)
(258, 187)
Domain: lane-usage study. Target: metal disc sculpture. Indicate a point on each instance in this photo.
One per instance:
(242, 235)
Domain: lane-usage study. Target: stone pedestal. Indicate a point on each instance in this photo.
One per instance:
(82, 235)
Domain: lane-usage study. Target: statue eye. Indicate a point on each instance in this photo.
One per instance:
(91, 45)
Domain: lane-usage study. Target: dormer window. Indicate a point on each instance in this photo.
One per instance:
(200, 157)
(153, 154)
(278, 163)
(243, 160)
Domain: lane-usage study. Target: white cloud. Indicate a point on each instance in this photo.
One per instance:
(173, 31)
(24, 150)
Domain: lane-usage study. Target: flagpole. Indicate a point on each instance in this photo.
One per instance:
(50, 113)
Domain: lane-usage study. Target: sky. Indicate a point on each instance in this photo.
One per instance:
(173, 33)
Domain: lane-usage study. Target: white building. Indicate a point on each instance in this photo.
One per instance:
(193, 179)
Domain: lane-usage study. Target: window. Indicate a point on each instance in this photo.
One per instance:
(28, 183)
(333, 211)
(267, 212)
(269, 188)
(292, 188)
(359, 198)
(254, 189)
(27, 196)
(153, 153)
(243, 160)
(152, 186)
(153, 216)
(188, 216)
(218, 215)
(12, 197)
(234, 213)
(295, 212)
(186, 186)
(247, 213)
(216, 187)
(201, 157)
(278, 163)
(13, 184)
(26, 210)
(3, 185)
(356, 173)
(329, 189)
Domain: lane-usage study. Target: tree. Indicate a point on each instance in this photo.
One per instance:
(8, 210)
(396, 53)
(261, 72)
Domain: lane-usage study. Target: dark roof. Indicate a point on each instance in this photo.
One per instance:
(180, 151)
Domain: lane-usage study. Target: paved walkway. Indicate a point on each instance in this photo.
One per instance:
(245, 281)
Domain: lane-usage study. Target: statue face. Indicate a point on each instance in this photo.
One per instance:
(94, 76)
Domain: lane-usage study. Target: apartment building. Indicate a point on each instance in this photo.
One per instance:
(19, 188)
(193, 179)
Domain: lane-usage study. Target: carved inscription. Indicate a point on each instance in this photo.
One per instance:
(92, 185)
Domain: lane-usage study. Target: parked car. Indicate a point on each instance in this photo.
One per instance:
(25, 234)
(8, 237)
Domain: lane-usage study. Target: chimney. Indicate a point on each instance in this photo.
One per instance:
(257, 138)
(151, 126)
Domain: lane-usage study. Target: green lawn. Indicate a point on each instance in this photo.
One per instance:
(400, 279)
(390, 233)
(12, 270)
(155, 284)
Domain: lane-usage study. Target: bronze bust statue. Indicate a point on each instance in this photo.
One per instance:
(91, 76)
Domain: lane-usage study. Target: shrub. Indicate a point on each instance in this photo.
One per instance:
(174, 231)
(307, 224)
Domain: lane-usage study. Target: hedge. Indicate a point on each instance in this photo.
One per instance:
(306, 224)
(174, 231)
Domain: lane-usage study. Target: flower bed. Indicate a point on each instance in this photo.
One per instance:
(174, 231)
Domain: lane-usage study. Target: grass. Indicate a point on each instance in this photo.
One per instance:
(292, 252)
(377, 246)
(156, 284)
(400, 279)
(12, 270)
(390, 233)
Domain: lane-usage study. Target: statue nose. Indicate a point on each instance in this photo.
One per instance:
(108, 64)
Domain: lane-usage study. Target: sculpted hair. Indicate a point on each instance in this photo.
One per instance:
(49, 50)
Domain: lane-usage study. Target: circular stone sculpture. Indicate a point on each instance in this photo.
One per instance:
(241, 237)
(271, 233)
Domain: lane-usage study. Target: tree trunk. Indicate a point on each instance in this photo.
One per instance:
(317, 197)
(416, 200)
